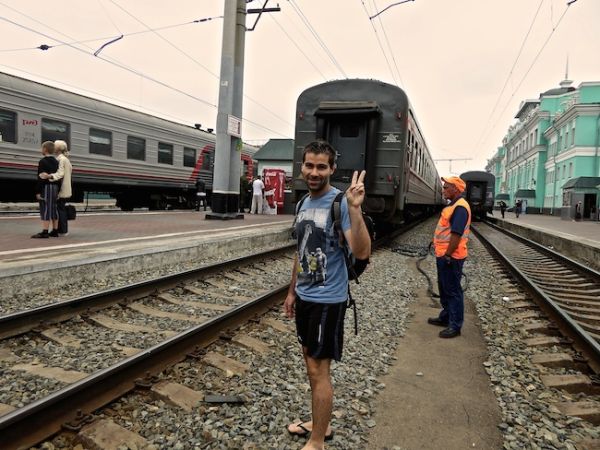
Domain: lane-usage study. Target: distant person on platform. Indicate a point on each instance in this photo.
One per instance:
(450, 242)
(63, 173)
(245, 194)
(200, 194)
(258, 189)
(502, 208)
(46, 192)
(578, 211)
(518, 208)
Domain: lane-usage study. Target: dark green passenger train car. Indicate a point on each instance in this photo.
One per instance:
(372, 127)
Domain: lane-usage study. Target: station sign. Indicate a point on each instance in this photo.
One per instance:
(234, 126)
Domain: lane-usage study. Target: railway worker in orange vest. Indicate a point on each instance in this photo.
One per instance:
(450, 242)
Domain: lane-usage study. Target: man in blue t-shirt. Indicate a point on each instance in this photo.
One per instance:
(318, 291)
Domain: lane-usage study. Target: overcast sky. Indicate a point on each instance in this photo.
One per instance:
(454, 58)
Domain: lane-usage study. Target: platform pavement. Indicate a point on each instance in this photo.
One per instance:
(102, 236)
(585, 231)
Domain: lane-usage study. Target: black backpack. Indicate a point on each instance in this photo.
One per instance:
(354, 265)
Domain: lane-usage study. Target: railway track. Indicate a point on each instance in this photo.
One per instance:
(190, 310)
(558, 303)
(183, 314)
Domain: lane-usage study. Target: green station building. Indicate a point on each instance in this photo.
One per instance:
(549, 158)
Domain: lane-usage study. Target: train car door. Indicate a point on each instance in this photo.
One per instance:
(349, 138)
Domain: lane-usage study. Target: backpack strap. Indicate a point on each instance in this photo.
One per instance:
(336, 220)
(298, 206)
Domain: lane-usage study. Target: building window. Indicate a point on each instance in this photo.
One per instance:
(8, 126)
(53, 130)
(573, 135)
(566, 139)
(189, 157)
(570, 170)
(165, 153)
(136, 148)
(100, 142)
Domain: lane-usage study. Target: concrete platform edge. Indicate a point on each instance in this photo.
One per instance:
(24, 277)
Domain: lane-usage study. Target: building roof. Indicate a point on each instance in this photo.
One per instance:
(525, 106)
(276, 150)
(525, 193)
(565, 86)
(582, 183)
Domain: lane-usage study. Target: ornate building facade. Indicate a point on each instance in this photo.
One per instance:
(549, 158)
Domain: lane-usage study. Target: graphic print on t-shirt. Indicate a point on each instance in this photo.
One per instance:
(311, 228)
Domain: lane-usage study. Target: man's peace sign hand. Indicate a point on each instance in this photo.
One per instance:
(356, 192)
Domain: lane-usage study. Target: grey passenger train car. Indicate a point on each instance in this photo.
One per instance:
(479, 192)
(372, 126)
(140, 159)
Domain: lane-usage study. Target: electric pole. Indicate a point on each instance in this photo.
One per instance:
(226, 175)
(450, 161)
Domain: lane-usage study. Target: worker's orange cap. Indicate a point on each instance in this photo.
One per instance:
(457, 182)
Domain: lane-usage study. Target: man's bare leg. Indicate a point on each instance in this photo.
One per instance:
(322, 399)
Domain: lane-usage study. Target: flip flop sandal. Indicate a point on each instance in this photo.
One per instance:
(306, 432)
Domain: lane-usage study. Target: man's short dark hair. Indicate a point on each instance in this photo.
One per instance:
(320, 146)
(49, 147)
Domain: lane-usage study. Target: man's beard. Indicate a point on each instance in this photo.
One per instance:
(322, 183)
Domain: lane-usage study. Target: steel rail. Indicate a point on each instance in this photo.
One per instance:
(37, 421)
(24, 321)
(541, 248)
(582, 341)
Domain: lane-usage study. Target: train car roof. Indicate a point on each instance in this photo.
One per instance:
(19, 85)
(477, 175)
(350, 81)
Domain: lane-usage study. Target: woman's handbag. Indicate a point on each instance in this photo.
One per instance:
(71, 212)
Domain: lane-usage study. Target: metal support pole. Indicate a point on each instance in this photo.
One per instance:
(226, 178)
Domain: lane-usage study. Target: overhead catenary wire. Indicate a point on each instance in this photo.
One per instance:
(510, 72)
(118, 64)
(312, 30)
(387, 61)
(111, 61)
(109, 17)
(554, 28)
(195, 61)
(389, 46)
(298, 47)
(96, 39)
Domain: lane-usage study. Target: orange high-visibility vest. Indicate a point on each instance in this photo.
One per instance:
(441, 237)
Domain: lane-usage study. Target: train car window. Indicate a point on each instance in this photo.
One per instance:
(189, 157)
(100, 142)
(136, 148)
(55, 129)
(349, 130)
(165, 153)
(8, 126)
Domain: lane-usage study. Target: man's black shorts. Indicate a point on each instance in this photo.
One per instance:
(320, 328)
